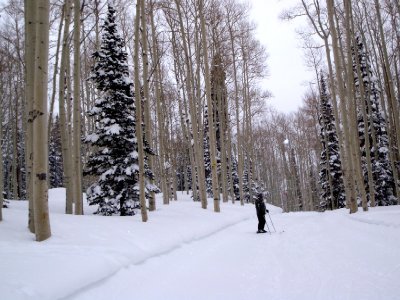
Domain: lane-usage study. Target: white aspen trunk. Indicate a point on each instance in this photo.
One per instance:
(30, 32)
(287, 205)
(160, 116)
(77, 113)
(198, 155)
(211, 131)
(354, 140)
(147, 118)
(238, 132)
(223, 142)
(346, 160)
(39, 115)
(55, 72)
(393, 102)
(139, 134)
(64, 132)
(14, 121)
(182, 106)
(388, 116)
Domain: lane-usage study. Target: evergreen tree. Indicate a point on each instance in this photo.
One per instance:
(115, 160)
(296, 180)
(207, 158)
(55, 155)
(382, 175)
(148, 173)
(248, 185)
(330, 175)
(235, 178)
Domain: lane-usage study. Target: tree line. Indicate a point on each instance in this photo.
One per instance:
(177, 66)
(166, 96)
(342, 146)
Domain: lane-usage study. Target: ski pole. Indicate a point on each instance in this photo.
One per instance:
(266, 223)
(271, 222)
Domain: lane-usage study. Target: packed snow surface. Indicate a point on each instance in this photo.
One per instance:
(185, 252)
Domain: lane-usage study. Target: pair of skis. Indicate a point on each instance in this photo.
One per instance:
(273, 226)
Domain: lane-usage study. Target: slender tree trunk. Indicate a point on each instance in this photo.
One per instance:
(147, 118)
(14, 122)
(77, 112)
(55, 72)
(223, 142)
(198, 153)
(211, 132)
(160, 116)
(393, 102)
(30, 37)
(347, 161)
(238, 132)
(65, 141)
(288, 205)
(39, 119)
(367, 121)
(354, 140)
(139, 134)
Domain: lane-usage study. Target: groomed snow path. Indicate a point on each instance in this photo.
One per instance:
(184, 252)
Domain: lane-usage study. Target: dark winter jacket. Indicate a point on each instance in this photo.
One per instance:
(260, 206)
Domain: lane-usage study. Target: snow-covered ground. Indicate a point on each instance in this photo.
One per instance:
(185, 252)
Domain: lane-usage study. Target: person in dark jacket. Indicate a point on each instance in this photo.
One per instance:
(261, 210)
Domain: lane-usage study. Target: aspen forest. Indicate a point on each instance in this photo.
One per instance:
(132, 129)
(196, 69)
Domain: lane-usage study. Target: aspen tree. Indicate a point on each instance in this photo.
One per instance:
(139, 133)
(14, 118)
(146, 99)
(218, 96)
(39, 120)
(55, 72)
(77, 112)
(193, 111)
(236, 99)
(324, 34)
(393, 103)
(30, 32)
(354, 147)
(64, 121)
(211, 132)
(182, 105)
(159, 111)
(346, 159)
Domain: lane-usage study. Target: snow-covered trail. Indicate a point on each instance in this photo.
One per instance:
(319, 256)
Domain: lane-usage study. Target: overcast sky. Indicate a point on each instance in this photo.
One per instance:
(289, 76)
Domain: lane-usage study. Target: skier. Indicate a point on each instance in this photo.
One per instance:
(261, 210)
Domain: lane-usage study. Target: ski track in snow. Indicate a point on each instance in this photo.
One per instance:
(187, 253)
(267, 260)
(103, 280)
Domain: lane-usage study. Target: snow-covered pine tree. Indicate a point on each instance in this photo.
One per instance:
(115, 160)
(235, 178)
(248, 186)
(207, 158)
(149, 175)
(296, 180)
(55, 155)
(330, 176)
(382, 174)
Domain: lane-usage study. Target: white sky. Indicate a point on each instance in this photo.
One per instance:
(289, 76)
